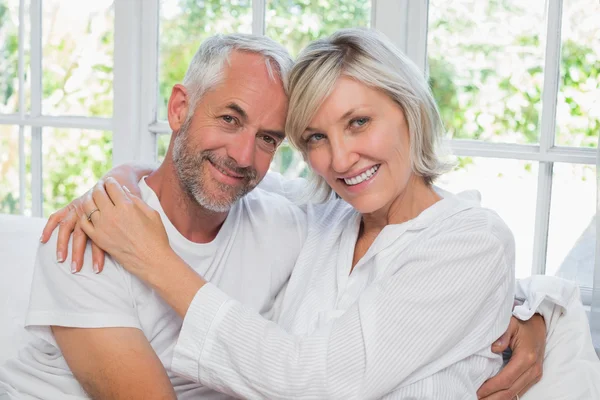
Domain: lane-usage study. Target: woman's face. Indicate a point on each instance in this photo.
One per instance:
(359, 143)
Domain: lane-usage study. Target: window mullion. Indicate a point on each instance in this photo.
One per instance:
(391, 18)
(551, 75)
(416, 37)
(36, 107)
(127, 87)
(542, 218)
(547, 135)
(258, 17)
(149, 79)
(21, 72)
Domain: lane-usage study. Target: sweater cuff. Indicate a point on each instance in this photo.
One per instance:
(201, 317)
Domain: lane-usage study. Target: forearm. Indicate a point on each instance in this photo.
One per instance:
(175, 281)
(129, 174)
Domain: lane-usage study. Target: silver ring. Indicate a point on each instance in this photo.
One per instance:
(89, 217)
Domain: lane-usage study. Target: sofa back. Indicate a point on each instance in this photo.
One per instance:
(19, 239)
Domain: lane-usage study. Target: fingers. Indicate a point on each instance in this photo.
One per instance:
(514, 377)
(100, 197)
(97, 258)
(519, 387)
(86, 226)
(502, 343)
(65, 227)
(115, 192)
(78, 248)
(53, 222)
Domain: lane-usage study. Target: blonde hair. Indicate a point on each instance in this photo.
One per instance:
(370, 58)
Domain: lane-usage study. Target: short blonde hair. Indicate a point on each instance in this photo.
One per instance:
(370, 58)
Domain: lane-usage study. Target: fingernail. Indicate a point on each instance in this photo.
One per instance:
(126, 189)
(41, 238)
(73, 267)
(498, 343)
(59, 257)
(95, 268)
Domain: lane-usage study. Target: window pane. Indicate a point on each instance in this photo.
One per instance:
(184, 24)
(77, 65)
(578, 105)
(162, 145)
(499, 181)
(295, 23)
(72, 161)
(288, 162)
(572, 230)
(9, 170)
(9, 56)
(486, 67)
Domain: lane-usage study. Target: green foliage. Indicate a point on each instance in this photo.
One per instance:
(478, 96)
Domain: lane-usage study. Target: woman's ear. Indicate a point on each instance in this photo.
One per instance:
(178, 107)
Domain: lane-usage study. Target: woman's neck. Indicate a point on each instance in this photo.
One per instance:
(416, 197)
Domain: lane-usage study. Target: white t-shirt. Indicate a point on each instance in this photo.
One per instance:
(415, 319)
(250, 259)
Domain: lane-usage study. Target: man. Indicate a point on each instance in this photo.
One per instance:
(111, 336)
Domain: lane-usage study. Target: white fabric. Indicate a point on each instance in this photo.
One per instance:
(19, 239)
(571, 367)
(116, 298)
(415, 319)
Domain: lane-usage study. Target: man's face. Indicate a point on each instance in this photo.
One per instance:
(224, 150)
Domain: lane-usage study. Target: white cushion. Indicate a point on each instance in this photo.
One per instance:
(19, 239)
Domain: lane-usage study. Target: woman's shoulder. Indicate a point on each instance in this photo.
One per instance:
(472, 218)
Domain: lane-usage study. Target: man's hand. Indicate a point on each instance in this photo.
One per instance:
(528, 343)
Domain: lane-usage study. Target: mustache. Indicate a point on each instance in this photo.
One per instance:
(249, 173)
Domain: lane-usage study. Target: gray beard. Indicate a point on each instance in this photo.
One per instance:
(189, 164)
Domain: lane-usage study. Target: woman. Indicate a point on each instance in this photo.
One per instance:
(400, 288)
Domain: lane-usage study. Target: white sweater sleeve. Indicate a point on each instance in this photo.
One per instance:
(451, 301)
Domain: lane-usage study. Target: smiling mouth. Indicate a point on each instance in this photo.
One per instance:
(365, 176)
(225, 172)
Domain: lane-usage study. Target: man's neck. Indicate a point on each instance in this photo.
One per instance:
(193, 221)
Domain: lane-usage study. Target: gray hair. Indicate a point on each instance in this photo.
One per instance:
(370, 58)
(206, 68)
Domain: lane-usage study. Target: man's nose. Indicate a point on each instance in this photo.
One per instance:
(242, 148)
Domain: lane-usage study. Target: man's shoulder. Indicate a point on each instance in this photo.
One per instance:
(267, 204)
(83, 299)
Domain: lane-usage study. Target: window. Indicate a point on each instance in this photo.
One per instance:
(518, 86)
(56, 101)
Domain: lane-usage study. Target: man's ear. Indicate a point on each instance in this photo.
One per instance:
(178, 107)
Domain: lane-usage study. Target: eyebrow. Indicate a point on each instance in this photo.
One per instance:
(235, 107)
(346, 115)
(278, 134)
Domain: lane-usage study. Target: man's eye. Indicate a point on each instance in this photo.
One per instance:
(268, 139)
(228, 119)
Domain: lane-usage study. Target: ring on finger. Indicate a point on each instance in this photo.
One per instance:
(89, 216)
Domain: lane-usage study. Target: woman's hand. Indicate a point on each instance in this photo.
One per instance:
(68, 222)
(527, 340)
(122, 225)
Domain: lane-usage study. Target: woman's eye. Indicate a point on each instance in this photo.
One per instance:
(315, 137)
(358, 122)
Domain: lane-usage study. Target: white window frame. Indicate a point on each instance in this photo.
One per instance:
(35, 118)
(135, 126)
